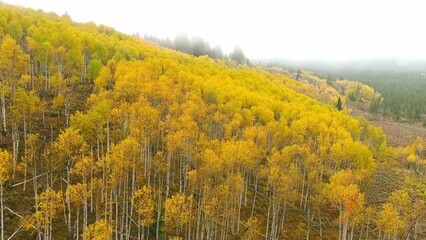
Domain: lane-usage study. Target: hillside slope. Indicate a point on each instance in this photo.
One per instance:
(105, 136)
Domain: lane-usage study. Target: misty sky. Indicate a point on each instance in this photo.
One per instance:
(331, 29)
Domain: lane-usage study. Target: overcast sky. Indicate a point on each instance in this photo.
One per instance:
(330, 29)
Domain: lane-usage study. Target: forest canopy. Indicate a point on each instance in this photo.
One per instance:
(105, 135)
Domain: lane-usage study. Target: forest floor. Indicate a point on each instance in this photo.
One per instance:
(398, 134)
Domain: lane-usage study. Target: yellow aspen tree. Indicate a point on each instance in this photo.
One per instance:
(95, 124)
(57, 83)
(78, 194)
(144, 126)
(396, 214)
(30, 159)
(25, 105)
(32, 48)
(143, 200)
(416, 154)
(50, 205)
(178, 214)
(5, 174)
(254, 229)
(70, 145)
(13, 64)
(85, 168)
(99, 230)
(282, 182)
(58, 103)
(103, 79)
(215, 208)
(389, 221)
(117, 168)
(180, 141)
(343, 193)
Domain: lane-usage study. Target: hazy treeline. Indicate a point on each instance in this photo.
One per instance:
(198, 47)
(404, 93)
(402, 83)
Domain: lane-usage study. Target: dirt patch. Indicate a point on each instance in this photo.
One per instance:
(398, 134)
(401, 134)
(383, 182)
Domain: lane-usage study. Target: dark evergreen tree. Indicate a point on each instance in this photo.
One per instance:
(339, 105)
(299, 72)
